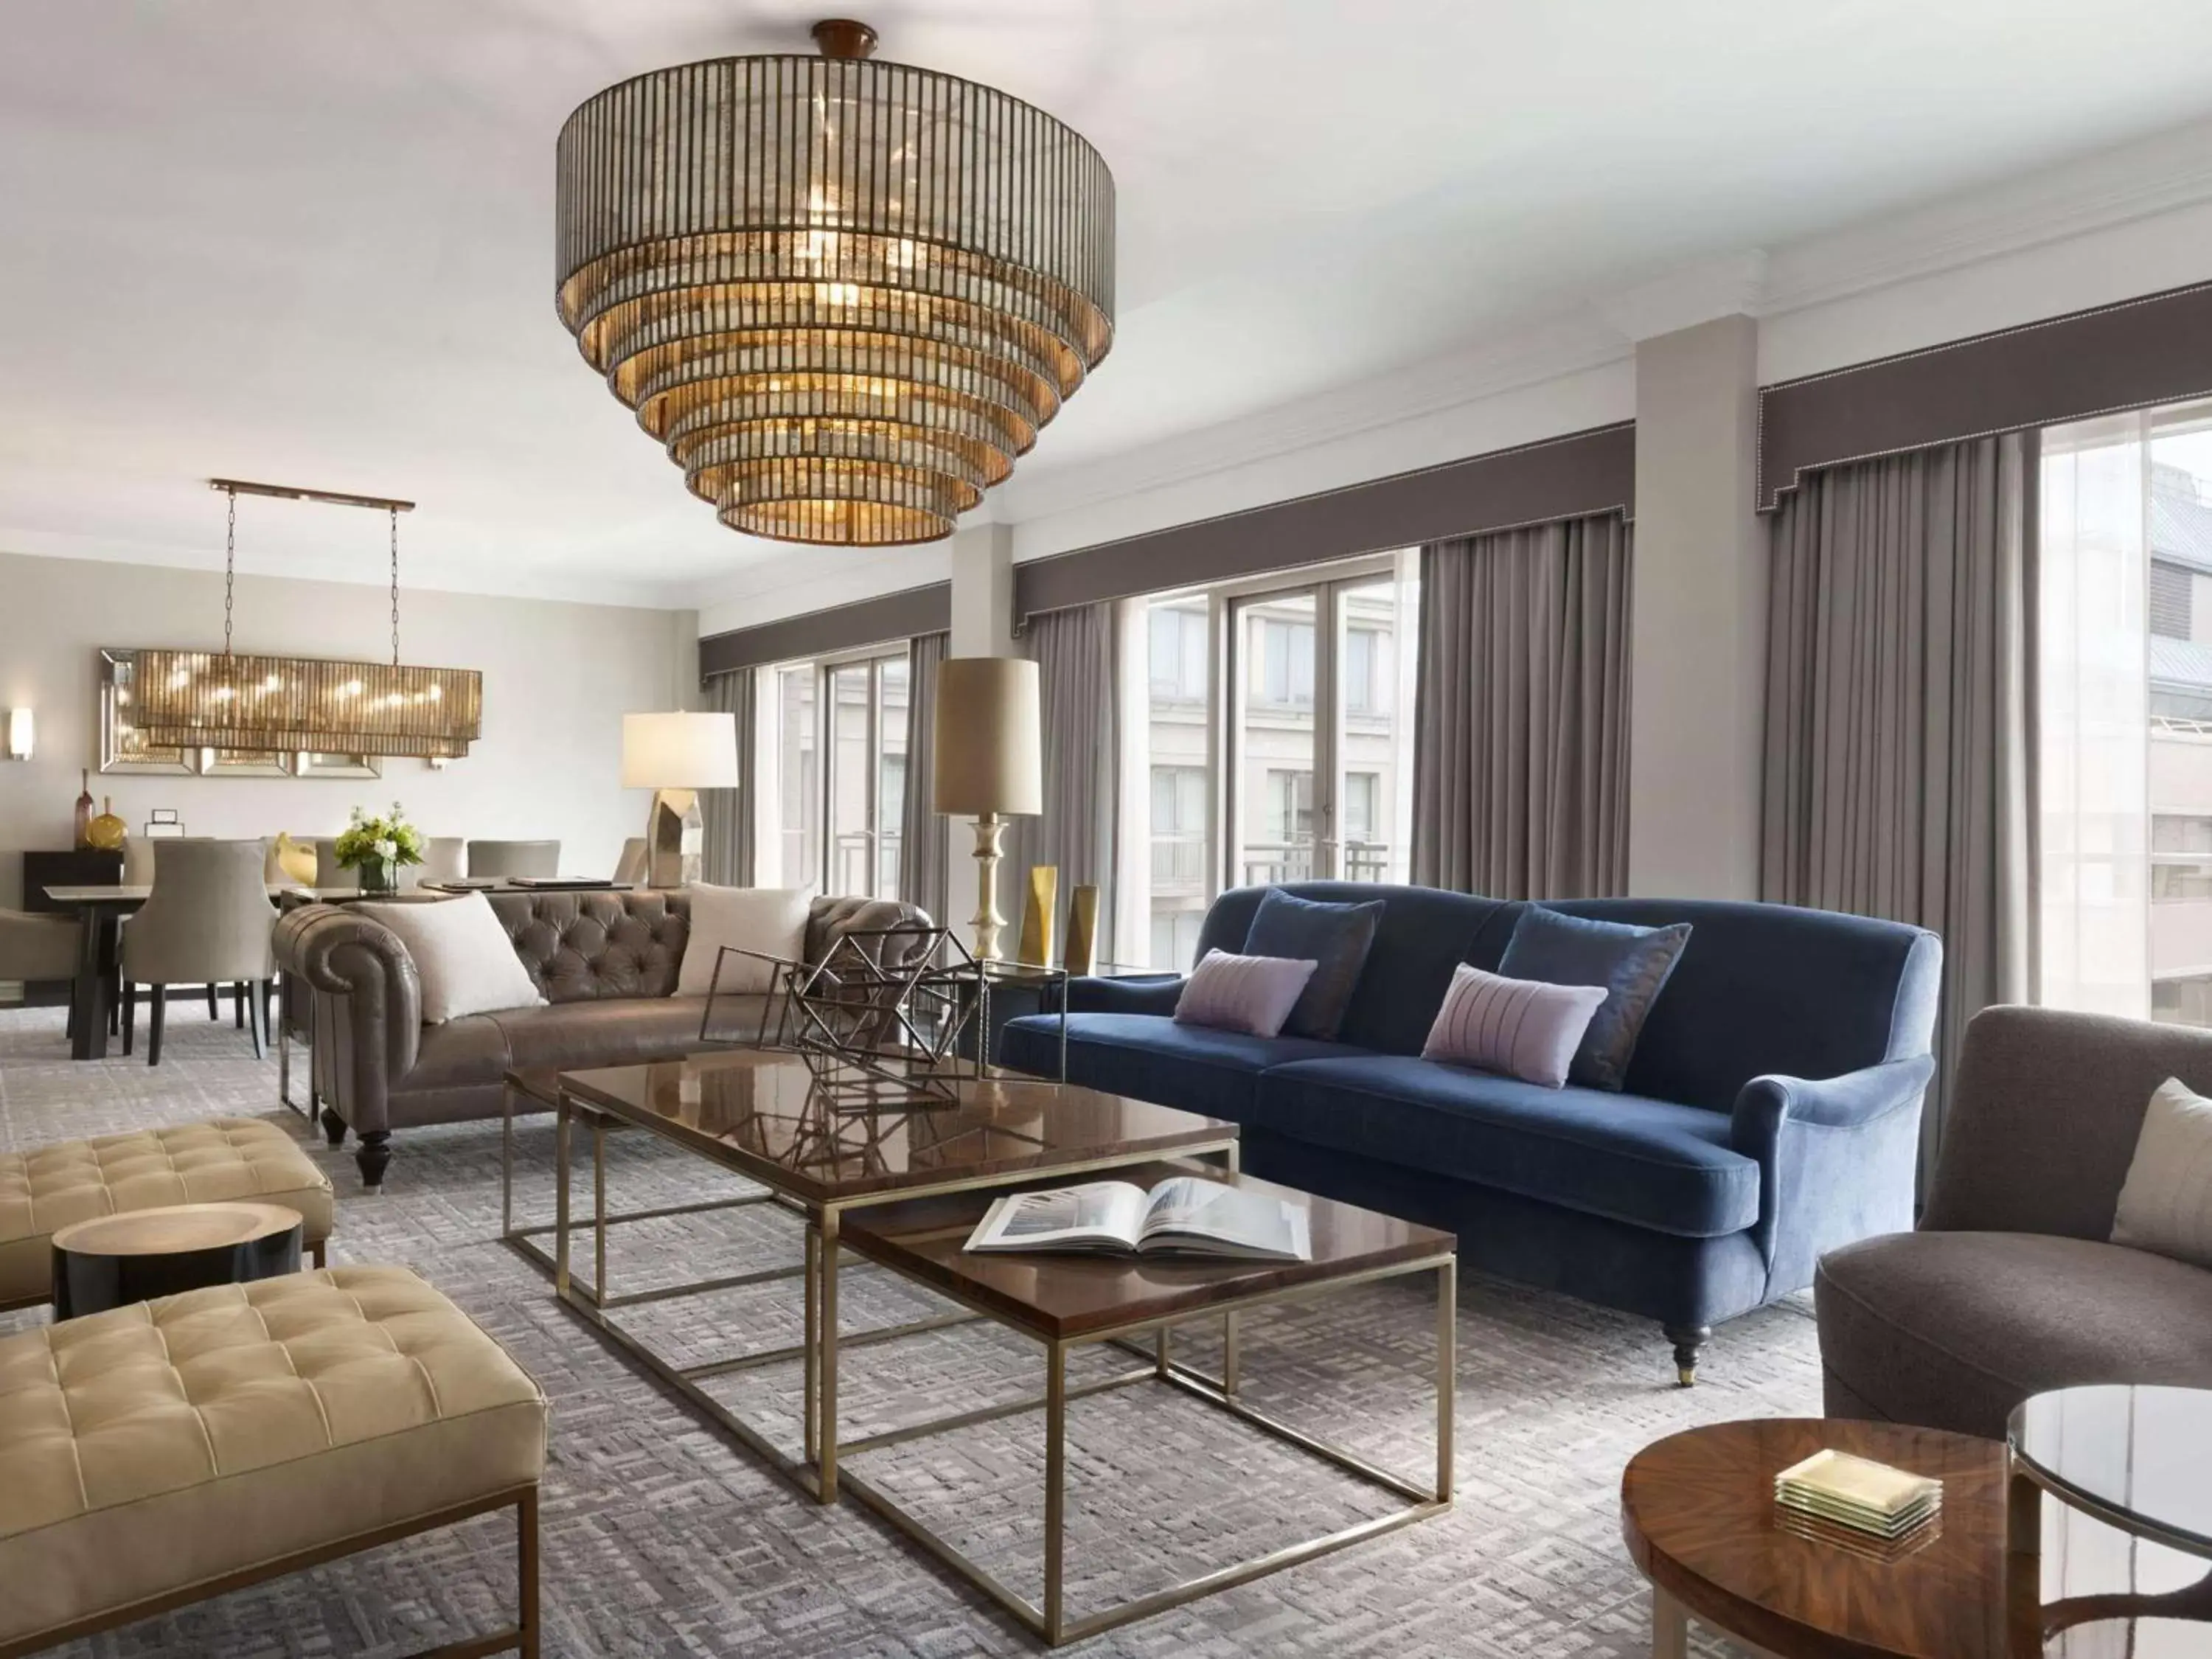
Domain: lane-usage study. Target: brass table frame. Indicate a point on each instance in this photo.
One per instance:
(1051, 1620)
(815, 1472)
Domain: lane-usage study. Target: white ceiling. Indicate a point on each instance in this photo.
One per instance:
(310, 240)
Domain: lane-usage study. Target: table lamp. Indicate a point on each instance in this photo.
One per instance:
(677, 756)
(989, 762)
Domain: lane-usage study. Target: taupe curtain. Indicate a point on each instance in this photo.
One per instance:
(923, 845)
(727, 860)
(1521, 714)
(1900, 712)
(1074, 653)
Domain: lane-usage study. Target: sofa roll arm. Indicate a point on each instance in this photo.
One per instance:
(369, 1015)
(1146, 994)
(1836, 1160)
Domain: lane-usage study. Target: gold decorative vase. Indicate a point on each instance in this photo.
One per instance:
(1082, 947)
(107, 831)
(1037, 909)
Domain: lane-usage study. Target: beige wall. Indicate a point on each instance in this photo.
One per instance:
(557, 679)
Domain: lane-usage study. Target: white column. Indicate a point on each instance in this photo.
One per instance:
(1699, 650)
(982, 626)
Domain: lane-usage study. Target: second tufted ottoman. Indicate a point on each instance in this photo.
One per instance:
(169, 1451)
(48, 1188)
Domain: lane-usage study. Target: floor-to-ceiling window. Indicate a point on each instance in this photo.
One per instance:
(1277, 739)
(843, 820)
(2125, 711)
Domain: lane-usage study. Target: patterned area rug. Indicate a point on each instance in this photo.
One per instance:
(661, 1539)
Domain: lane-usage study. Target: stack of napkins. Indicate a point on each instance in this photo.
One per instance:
(1866, 1497)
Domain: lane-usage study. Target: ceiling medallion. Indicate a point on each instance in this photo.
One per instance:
(305, 705)
(845, 294)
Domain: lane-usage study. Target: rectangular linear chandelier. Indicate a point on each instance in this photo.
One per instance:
(223, 700)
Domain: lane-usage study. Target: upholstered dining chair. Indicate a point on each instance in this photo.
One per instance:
(41, 947)
(207, 921)
(514, 858)
(329, 873)
(630, 868)
(445, 858)
(138, 872)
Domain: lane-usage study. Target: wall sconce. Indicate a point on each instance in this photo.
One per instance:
(23, 737)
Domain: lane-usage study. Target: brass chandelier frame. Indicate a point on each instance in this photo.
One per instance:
(310, 705)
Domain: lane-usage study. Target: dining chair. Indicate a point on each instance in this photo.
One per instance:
(208, 921)
(445, 858)
(514, 858)
(329, 873)
(138, 872)
(630, 868)
(36, 947)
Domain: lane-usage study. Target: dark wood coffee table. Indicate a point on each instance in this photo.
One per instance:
(1065, 1302)
(756, 1113)
(112, 1261)
(1698, 1514)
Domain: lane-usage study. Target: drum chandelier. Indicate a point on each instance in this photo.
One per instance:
(844, 294)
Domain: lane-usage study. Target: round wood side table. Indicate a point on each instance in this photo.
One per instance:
(1699, 1514)
(114, 1260)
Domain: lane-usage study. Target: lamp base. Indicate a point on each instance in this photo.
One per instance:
(988, 924)
(675, 836)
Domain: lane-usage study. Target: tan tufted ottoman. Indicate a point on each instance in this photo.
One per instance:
(167, 1452)
(45, 1189)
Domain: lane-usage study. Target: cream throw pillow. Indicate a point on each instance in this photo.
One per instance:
(462, 955)
(2165, 1205)
(770, 919)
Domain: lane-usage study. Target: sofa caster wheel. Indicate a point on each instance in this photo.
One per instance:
(374, 1156)
(1688, 1340)
(334, 1127)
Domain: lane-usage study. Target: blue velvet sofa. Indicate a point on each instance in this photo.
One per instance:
(1772, 1110)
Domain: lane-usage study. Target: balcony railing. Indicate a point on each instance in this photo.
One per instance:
(1267, 864)
(1178, 861)
(849, 859)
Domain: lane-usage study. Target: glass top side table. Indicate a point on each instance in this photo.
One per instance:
(2136, 1458)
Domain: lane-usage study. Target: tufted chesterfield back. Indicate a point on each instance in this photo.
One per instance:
(584, 946)
(581, 946)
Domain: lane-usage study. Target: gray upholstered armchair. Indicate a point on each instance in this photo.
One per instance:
(2009, 1286)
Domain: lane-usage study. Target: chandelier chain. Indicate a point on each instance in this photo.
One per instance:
(229, 568)
(395, 585)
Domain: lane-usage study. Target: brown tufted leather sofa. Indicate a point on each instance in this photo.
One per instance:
(606, 962)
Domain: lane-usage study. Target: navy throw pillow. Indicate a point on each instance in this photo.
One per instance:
(1632, 963)
(1337, 937)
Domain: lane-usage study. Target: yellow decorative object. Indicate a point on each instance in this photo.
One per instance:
(107, 831)
(295, 859)
(1037, 915)
(1082, 930)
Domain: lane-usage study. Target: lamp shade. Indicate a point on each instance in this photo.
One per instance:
(679, 752)
(23, 735)
(988, 756)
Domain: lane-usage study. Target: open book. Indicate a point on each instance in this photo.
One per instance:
(1185, 1215)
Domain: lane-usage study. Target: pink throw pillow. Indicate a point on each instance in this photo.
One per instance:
(1252, 994)
(1520, 1027)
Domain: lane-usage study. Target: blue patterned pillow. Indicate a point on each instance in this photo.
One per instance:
(1632, 963)
(1335, 937)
